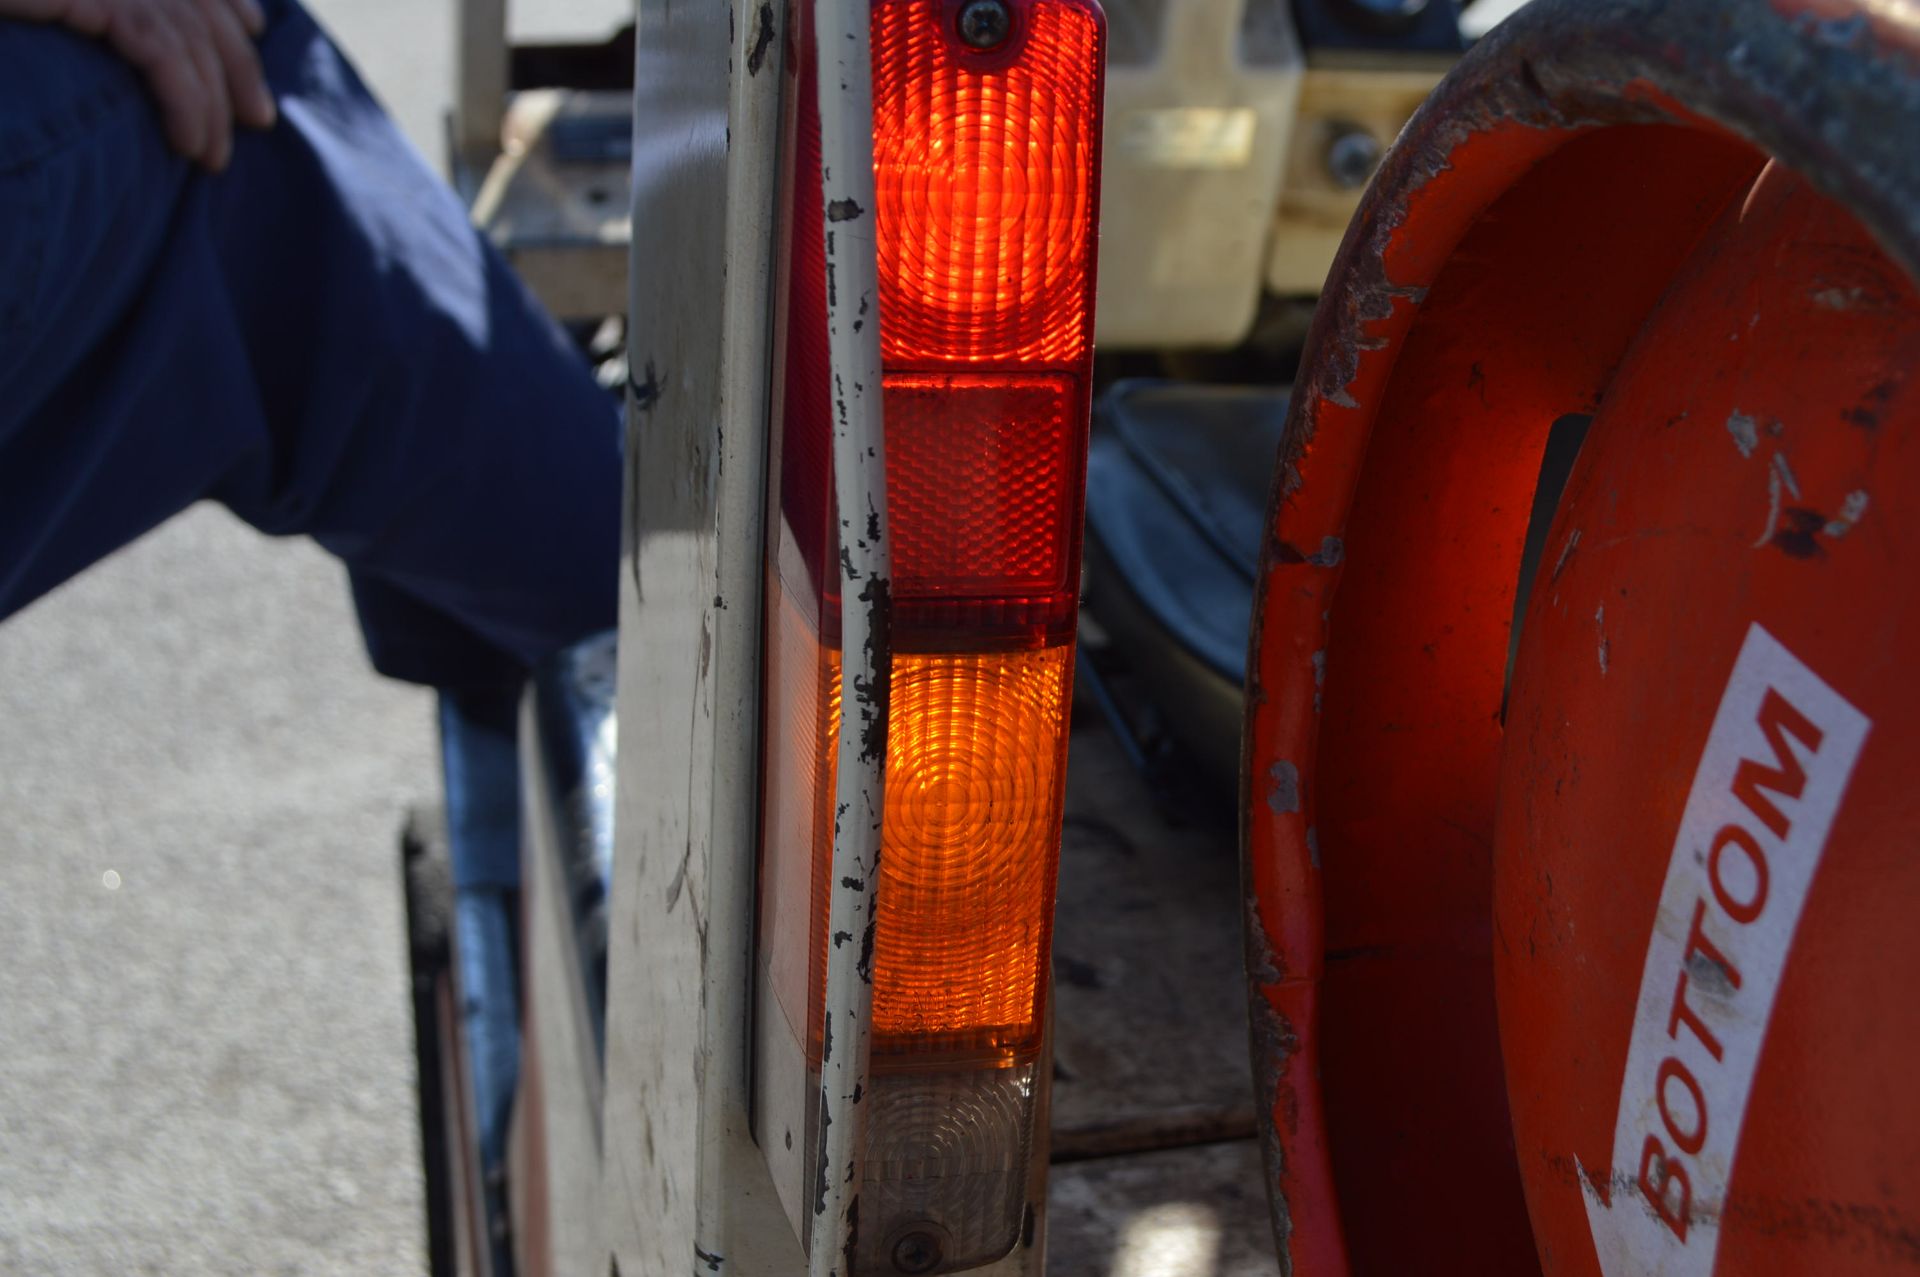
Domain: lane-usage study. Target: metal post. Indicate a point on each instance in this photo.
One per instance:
(859, 459)
(480, 83)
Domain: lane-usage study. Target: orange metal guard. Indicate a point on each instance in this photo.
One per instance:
(1594, 952)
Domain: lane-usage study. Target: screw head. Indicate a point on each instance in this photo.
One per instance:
(917, 1252)
(985, 24)
(1352, 156)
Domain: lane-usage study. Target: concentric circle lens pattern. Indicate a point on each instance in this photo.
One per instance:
(975, 774)
(986, 207)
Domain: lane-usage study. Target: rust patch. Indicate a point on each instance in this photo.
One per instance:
(1264, 963)
(1274, 1043)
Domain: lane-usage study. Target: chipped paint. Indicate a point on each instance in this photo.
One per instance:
(1332, 550)
(1779, 480)
(1838, 298)
(1851, 508)
(1600, 624)
(1274, 1044)
(1264, 964)
(646, 393)
(1283, 788)
(859, 462)
(762, 39)
(1745, 431)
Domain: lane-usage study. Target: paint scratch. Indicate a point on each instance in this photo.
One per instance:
(1779, 478)
(1600, 624)
(1566, 552)
(1852, 506)
(1745, 431)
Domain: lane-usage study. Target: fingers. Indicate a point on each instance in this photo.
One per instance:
(252, 19)
(246, 83)
(198, 60)
(145, 34)
(215, 104)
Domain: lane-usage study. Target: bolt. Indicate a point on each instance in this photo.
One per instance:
(985, 24)
(1352, 156)
(916, 1253)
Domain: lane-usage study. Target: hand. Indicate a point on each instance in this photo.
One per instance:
(197, 56)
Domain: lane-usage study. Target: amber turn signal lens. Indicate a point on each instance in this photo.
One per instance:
(976, 761)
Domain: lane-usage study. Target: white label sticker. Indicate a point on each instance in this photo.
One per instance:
(1777, 762)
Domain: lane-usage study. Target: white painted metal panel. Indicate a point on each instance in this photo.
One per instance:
(684, 1188)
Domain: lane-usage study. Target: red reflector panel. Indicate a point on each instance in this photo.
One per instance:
(981, 164)
(981, 476)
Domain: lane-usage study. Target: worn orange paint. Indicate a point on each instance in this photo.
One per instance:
(1379, 674)
(1755, 461)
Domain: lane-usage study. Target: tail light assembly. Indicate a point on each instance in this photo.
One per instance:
(986, 141)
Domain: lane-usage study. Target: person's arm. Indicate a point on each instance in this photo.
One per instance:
(197, 56)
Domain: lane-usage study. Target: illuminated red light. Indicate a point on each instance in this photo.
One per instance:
(981, 165)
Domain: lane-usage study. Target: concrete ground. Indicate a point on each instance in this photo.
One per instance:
(205, 1050)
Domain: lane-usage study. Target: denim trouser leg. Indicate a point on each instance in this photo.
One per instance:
(316, 338)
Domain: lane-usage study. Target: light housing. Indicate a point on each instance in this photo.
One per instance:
(986, 167)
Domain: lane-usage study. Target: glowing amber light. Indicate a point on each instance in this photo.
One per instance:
(976, 770)
(976, 761)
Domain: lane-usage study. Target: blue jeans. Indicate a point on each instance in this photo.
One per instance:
(315, 338)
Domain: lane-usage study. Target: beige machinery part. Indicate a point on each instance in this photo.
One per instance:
(1220, 181)
(1195, 140)
(562, 222)
(1315, 206)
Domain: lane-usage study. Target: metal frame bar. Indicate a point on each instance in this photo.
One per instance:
(859, 459)
(480, 83)
(683, 1187)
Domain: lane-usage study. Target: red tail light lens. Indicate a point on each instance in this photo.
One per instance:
(986, 173)
(981, 163)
